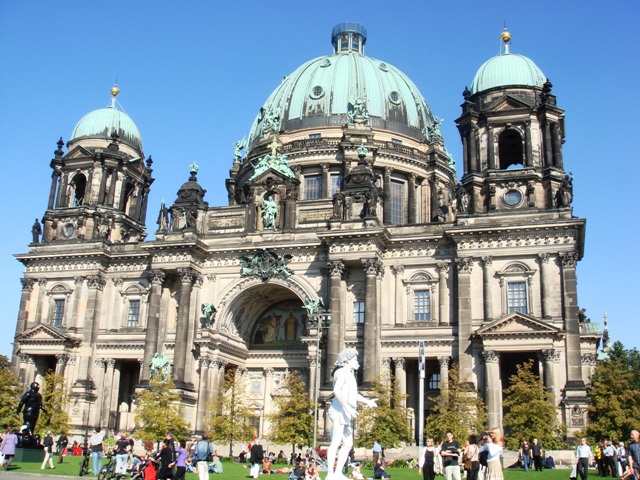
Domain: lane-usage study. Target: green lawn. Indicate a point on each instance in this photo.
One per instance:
(235, 471)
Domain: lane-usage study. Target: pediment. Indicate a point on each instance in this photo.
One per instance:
(45, 334)
(506, 103)
(276, 177)
(78, 151)
(518, 325)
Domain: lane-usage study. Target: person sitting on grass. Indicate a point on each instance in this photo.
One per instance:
(379, 471)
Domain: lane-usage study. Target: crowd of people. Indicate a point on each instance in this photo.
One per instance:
(618, 461)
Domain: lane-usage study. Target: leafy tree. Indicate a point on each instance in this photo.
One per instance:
(229, 416)
(458, 410)
(614, 401)
(387, 422)
(630, 360)
(532, 413)
(158, 411)
(55, 399)
(9, 394)
(292, 421)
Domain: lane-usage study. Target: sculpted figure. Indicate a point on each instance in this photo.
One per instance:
(32, 403)
(159, 364)
(209, 313)
(343, 410)
(269, 212)
(36, 231)
(163, 218)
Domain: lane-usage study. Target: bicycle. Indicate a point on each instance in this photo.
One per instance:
(84, 464)
(109, 471)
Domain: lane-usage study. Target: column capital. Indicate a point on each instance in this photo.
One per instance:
(444, 361)
(569, 259)
(491, 356)
(42, 282)
(543, 257)
(205, 362)
(372, 266)
(96, 282)
(211, 277)
(187, 275)
(443, 267)
(386, 362)
(156, 276)
(487, 260)
(268, 371)
(78, 280)
(312, 361)
(26, 358)
(400, 362)
(589, 359)
(61, 358)
(27, 284)
(397, 269)
(550, 355)
(100, 362)
(388, 170)
(110, 362)
(464, 265)
(336, 268)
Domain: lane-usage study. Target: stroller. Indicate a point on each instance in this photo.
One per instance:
(146, 470)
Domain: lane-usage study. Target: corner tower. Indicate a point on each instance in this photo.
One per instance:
(512, 134)
(99, 189)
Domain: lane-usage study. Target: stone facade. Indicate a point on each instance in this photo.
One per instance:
(483, 271)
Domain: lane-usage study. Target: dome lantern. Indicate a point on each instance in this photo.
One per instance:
(349, 37)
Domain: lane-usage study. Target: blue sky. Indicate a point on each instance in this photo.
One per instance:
(193, 75)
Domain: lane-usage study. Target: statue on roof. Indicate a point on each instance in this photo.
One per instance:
(36, 231)
(564, 195)
(432, 132)
(163, 218)
(271, 120)
(238, 147)
(357, 110)
(159, 365)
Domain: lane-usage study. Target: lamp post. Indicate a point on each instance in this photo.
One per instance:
(320, 319)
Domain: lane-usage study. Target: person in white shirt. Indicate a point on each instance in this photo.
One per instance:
(584, 456)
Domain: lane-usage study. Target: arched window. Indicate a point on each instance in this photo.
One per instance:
(510, 149)
(79, 185)
(128, 192)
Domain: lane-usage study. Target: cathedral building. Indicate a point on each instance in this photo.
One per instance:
(346, 226)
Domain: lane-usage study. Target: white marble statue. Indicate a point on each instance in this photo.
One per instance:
(343, 410)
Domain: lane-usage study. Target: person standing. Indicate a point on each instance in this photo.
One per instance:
(121, 449)
(450, 453)
(181, 460)
(8, 447)
(633, 455)
(584, 456)
(202, 451)
(609, 461)
(494, 449)
(621, 453)
(62, 443)
(256, 458)
(470, 453)
(48, 450)
(536, 451)
(165, 458)
(96, 444)
(427, 461)
(525, 453)
(377, 451)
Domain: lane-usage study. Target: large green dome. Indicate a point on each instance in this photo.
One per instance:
(508, 69)
(103, 122)
(318, 93)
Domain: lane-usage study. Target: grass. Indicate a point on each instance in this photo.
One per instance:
(236, 471)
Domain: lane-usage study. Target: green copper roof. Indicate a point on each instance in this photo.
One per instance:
(508, 69)
(318, 94)
(101, 123)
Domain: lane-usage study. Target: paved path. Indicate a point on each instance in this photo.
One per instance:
(40, 476)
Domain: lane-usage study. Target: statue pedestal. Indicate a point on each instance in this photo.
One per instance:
(29, 455)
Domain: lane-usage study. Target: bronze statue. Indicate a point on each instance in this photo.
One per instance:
(32, 402)
(36, 231)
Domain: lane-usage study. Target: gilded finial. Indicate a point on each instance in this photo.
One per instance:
(505, 36)
(115, 90)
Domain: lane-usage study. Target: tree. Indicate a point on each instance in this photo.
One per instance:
(55, 399)
(229, 417)
(532, 413)
(457, 410)
(158, 411)
(614, 401)
(630, 360)
(386, 423)
(292, 421)
(9, 394)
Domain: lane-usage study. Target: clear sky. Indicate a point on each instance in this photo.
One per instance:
(193, 75)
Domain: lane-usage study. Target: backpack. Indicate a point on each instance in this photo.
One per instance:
(483, 456)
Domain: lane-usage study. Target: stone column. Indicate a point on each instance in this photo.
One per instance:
(70, 372)
(21, 325)
(156, 277)
(62, 192)
(571, 323)
(90, 326)
(187, 277)
(401, 379)
(55, 177)
(557, 145)
(77, 296)
(473, 149)
(487, 290)
(61, 363)
(443, 293)
(143, 207)
(98, 379)
(30, 369)
(267, 399)
(336, 271)
(411, 197)
(493, 388)
(386, 203)
(465, 328)
(491, 160)
(545, 285)
(528, 144)
(108, 392)
(216, 379)
(40, 311)
(398, 271)
(326, 181)
(549, 358)
(371, 345)
(548, 150)
(385, 371)
(444, 373)
(466, 158)
(201, 413)
(112, 187)
(113, 404)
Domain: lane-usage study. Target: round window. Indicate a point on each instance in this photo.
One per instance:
(317, 92)
(512, 198)
(383, 67)
(325, 63)
(394, 97)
